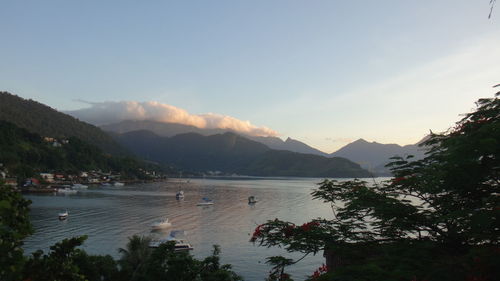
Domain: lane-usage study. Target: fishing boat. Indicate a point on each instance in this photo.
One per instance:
(205, 202)
(164, 223)
(63, 215)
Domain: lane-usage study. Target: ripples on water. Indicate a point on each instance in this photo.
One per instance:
(110, 215)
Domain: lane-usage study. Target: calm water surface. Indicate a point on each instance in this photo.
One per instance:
(109, 215)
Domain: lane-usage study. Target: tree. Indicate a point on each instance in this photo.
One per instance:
(166, 264)
(14, 227)
(139, 262)
(96, 267)
(211, 269)
(58, 265)
(135, 256)
(437, 219)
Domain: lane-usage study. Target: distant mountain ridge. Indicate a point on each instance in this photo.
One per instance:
(233, 154)
(374, 156)
(172, 129)
(289, 144)
(46, 121)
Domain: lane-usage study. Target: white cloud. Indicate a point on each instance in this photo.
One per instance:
(100, 113)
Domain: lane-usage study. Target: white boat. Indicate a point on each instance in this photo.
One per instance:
(118, 184)
(79, 186)
(180, 244)
(252, 200)
(66, 190)
(205, 202)
(63, 215)
(179, 194)
(164, 223)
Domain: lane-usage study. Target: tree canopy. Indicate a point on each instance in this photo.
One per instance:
(437, 219)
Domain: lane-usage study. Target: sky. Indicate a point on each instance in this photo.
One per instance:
(322, 72)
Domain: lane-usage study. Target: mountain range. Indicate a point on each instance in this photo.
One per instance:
(373, 156)
(230, 153)
(226, 152)
(172, 129)
(196, 149)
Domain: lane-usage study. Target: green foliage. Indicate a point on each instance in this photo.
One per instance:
(437, 219)
(24, 153)
(139, 262)
(59, 264)
(95, 267)
(166, 264)
(14, 227)
(277, 272)
(135, 256)
(211, 270)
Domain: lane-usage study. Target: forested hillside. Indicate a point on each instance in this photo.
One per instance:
(46, 121)
(23, 154)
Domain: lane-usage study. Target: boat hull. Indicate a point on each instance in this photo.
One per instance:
(205, 204)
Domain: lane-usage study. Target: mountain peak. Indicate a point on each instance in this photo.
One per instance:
(360, 141)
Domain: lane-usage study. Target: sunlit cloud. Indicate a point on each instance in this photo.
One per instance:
(100, 113)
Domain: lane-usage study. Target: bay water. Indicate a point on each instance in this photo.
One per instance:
(109, 215)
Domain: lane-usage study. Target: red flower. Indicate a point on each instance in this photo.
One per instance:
(284, 276)
(320, 271)
(257, 233)
(288, 231)
(397, 180)
(307, 226)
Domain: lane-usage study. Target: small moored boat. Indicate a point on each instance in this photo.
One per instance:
(79, 186)
(205, 202)
(179, 244)
(252, 200)
(63, 215)
(179, 194)
(164, 223)
(67, 190)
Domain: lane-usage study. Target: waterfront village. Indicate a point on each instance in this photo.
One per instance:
(47, 182)
(60, 181)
